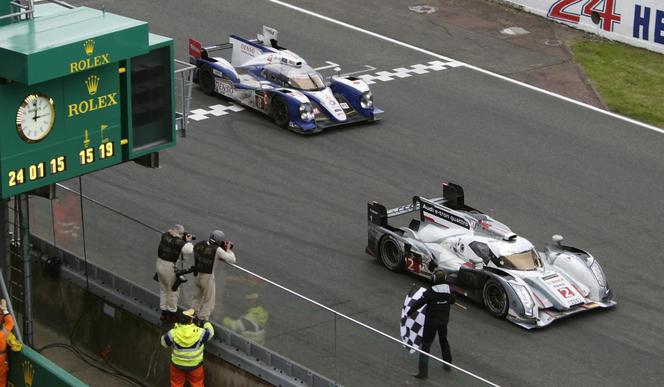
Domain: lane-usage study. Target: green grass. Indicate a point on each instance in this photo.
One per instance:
(630, 80)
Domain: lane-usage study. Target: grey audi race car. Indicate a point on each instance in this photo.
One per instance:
(487, 262)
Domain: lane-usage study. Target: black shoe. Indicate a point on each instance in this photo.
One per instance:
(420, 376)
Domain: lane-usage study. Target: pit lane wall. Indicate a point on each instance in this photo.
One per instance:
(636, 22)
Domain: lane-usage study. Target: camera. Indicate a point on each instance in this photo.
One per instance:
(180, 277)
(187, 235)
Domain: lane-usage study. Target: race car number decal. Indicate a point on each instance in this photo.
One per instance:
(261, 100)
(412, 264)
(563, 287)
(566, 292)
(344, 105)
(223, 86)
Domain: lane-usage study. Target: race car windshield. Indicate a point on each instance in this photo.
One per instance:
(528, 260)
(310, 81)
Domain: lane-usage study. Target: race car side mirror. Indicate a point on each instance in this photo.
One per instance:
(337, 71)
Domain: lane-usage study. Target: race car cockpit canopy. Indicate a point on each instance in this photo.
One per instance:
(527, 260)
(515, 254)
(308, 81)
(302, 78)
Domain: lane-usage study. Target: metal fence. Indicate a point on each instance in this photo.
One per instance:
(184, 79)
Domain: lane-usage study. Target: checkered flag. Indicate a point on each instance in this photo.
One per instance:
(412, 329)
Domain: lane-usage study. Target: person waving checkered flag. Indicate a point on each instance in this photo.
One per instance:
(412, 328)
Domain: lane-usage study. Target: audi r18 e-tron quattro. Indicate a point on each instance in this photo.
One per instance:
(487, 262)
(275, 81)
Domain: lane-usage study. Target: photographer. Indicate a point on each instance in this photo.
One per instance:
(175, 245)
(206, 254)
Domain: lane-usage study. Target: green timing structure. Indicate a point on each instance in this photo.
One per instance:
(80, 90)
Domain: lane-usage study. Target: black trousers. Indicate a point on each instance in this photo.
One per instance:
(427, 339)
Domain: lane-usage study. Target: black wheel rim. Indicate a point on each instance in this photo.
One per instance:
(280, 113)
(496, 299)
(391, 254)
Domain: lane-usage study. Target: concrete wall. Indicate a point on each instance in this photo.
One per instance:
(132, 343)
(636, 22)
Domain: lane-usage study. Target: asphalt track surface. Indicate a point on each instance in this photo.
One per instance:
(296, 206)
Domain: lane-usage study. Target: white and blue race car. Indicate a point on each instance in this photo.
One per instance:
(277, 82)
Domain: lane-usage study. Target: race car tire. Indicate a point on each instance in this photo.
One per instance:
(495, 299)
(206, 79)
(391, 254)
(279, 113)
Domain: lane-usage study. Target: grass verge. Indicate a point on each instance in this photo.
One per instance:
(630, 80)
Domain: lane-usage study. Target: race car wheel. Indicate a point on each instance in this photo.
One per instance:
(206, 79)
(280, 113)
(495, 299)
(391, 254)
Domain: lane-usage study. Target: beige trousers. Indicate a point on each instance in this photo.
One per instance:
(168, 299)
(203, 299)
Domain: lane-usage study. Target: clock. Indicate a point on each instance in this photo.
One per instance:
(35, 117)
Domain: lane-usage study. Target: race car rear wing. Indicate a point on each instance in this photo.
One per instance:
(196, 50)
(379, 215)
(439, 210)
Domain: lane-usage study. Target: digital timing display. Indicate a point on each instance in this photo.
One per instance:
(59, 164)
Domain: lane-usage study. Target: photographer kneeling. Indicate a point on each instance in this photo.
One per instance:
(175, 245)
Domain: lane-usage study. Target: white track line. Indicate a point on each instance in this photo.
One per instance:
(431, 53)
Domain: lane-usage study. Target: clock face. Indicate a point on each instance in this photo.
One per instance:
(35, 117)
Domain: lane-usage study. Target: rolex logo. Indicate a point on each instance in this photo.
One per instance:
(28, 373)
(92, 83)
(89, 47)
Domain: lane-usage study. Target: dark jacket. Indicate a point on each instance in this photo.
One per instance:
(170, 247)
(438, 299)
(204, 254)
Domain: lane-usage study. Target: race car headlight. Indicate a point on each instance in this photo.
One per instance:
(598, 273)
(306, 112)
(366, 100)
(525, 298)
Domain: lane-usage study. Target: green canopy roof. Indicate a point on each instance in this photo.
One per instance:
(68, 42)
